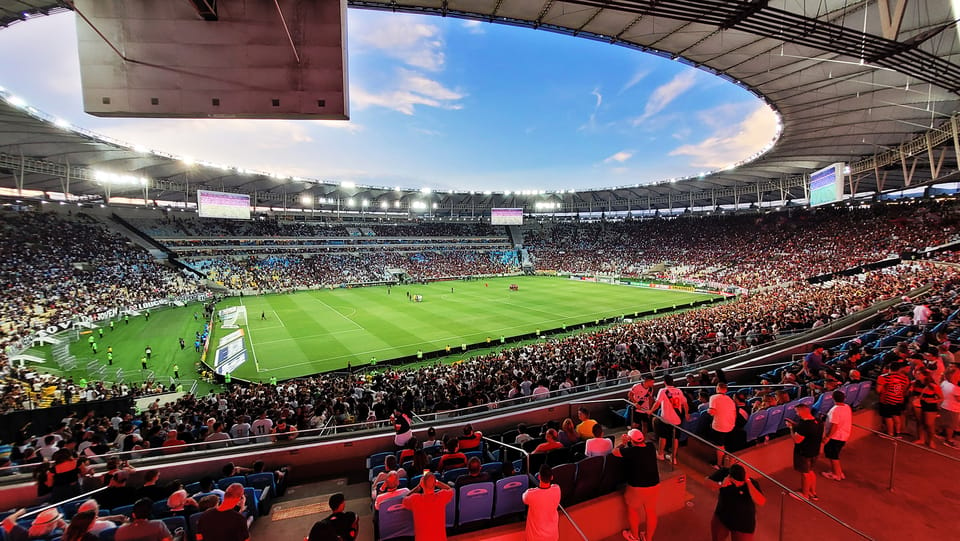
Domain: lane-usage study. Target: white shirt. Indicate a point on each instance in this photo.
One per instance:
(262, 427)
(640, 395)
(841, 416)
(921, 314)
(599, 447)
(542, 517)
(725, 413)
(672, 400)
(951, 396)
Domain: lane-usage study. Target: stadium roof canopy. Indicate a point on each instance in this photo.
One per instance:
(873, 83)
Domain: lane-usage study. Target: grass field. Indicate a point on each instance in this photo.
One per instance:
(315, 331)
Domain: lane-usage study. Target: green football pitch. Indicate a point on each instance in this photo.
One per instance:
(306, 332)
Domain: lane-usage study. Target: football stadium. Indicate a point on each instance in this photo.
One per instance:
(339, 269)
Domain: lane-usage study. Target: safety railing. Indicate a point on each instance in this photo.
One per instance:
(787, 494)
(85, 496)
(909, 451)
(523, 452)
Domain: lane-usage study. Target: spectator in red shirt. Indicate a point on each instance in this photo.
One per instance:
(453, 457)
(471, 439)
(428, 502)
(892, 387)
(553, 442)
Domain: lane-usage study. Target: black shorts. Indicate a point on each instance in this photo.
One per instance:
(929, 407)
(832, 449)
(718, 438)
(640, 418)
(890, 410)
(803, 464)
(665, 431)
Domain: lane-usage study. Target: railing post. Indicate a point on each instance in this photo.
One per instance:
(783, 503)
(893, 463)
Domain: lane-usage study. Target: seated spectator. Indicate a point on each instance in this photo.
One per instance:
(409, 449)
(474, 474)
(431, 440)
(453, 458)
(568, 433)
(340, 525)
(151, 489)
(80, 527)
(224, 522)
(117, 492)
(391, 489)
(182, 505)
(585, 428)
(102, 523)
(389, 466)
(471, 439)
(598, 445)
(522, 435)
(553, 442)
(43, 526)
(208, 486)
(141, 528)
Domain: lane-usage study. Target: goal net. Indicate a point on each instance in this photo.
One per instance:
(233, 317)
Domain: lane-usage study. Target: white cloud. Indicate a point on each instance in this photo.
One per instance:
(408, 89)
(591, 122)
(733, 140)
(407, 39)
(638, 76)
(664, 94)
(474, 27)
(619, 157)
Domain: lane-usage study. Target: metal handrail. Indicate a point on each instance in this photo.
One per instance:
(573, 523)
(85, 496)
(784, 489)
(515, 448)
(896, 445)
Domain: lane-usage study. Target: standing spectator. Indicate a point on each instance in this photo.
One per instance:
(736, 512)
(340, 525)
(401, 424)
(428, 503)
(807, 434)
(225, 523)
(542, 502)
(839, 426)
(813, 362)
(598, 445)
(921, 315)
(892, 387)
(950, 407)
(141, 528)
(673, 407)
(724, 412)
(643, 483)
(930, 396)
(641, 396)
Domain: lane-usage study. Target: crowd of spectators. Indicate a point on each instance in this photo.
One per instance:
(747, 251)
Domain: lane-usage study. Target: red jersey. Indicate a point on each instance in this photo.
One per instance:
(894, 388)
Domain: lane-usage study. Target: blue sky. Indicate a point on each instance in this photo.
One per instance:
(448, 104)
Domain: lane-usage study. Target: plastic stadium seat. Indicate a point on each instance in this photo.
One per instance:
(192, 488)
(509, 495)
(451, 511)
(194, 520)
(415, 481)
(755, 424)
(589, 475)
(613, 474)
(160, 509)
(558, 456)
(124, 510)
(493, 468)
(70, 508)
(475, 502)
(472, 454)
(253, 501)
(262, 480)
(108, 535)
(863, 392)
(518, 464)
(537, 460)
(578, 450)
(393, 520)
(823, 404)
(227, 481)
(774, 418)
(565, 476)
(175, 524)
(850, 393)
(377, 459)
(450, 476)
(375, 471)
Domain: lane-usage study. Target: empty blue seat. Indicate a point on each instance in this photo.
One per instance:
(253, 501)
(376, 459)
(393, 520)
(451, 511)
(823, 404)
(475, 502)
(509, 495)
(493, 468)
(862, 392)
(774, 418)
(262, 480)
(175, 525)
(124, 510)
(755, 424)
(227, 481)
(160, 509)
(375, 471)
(192, 488)
(450, 476)
(108, 535)
(589, 474)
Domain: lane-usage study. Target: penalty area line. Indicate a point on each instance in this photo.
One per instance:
(250, 338)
